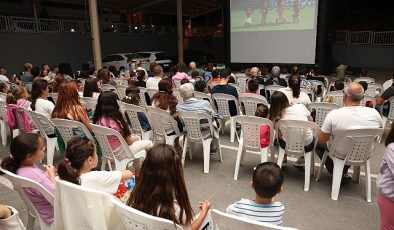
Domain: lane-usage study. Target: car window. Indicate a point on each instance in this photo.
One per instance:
(162, 56)
(133, 56)
(145, 55)
(118, 58)
(109, 58)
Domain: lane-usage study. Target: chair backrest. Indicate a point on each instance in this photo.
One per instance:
(122, 152)
(160, 121)
(3, 96)
(42, 123)
(193, 124)
(334, 97)
(366, 79)
(177, 94)
(391, 110)
(322, 109)
(142, 93)
(121, 90)
(224, 221)
(356, 144)
(3, 108)
(66, 129)
(212, 84)
(250, 126)
(134, 219)
(20, 115)
(295, 130)
(177, 83)
(222, 101)
(310, 93)
(151, 92)
(204, 96)
(22, 182)
(374, 89)
(131, 113)
(241, 81)
(108, 87)
(250, 101)
(77, 207)
(270, 89)
(366, 99)
(54, 97)
(237, 87)
(90, 103)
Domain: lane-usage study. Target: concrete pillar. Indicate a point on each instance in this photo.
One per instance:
(95, 31)
(180, 30)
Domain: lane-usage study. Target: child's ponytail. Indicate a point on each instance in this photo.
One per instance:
(67, 172)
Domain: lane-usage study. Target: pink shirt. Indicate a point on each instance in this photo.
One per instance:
(180, 76)
(109, 123)
(264, 136)
(44, 208)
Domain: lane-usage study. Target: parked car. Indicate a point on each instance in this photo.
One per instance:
(197, 56)
(120, 59)
(161, 58)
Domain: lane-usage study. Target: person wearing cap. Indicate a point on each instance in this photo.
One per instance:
(274, 78)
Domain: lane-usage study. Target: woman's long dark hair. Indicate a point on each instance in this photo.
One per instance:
(161, 182)
(390, 136)
(108, 107)
(21, 146)
(279, 103)
(36, 91)
(78, 150)
(295, 84)
(90, 87)
(132, 95)
(164, 98)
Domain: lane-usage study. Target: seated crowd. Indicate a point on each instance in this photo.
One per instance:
(155, 192)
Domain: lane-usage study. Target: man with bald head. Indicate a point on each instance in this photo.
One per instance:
(193, 67)
(351, 116)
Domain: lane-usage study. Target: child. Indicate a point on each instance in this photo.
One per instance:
(156, 193)
(80, 158)
(28, 149)
(263, 111)
(267, 183)
(248, 19)
(133, 97)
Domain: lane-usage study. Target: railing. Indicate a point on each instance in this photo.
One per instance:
(364, 37)
(49, 25)
(22, 24)
(4, 23)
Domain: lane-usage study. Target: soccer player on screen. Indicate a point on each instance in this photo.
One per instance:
(281, 11)
(264, 11)
(296, 9)
(249, 13)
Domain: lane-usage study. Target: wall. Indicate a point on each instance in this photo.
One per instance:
(364, 56)
(75, 48)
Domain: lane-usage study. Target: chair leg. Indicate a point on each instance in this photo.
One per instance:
(184, 152)
(281, 155)
(323, 161)
(30, 221)
(238, 161)
(356, 174)
(207, 150)
(103, 162)
(308, 160)
(232, 129)
(219, 151)
(313, 163)
(337, 177)
(51, 145)
(264, 155)
(368, 180)
(222, 125)
(3, 133)
(272, 153)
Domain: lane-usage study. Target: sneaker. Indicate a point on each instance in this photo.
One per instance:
(300, 162)
(346, 179)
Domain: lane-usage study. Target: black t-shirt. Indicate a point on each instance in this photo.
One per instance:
(230, 90)
(388, 93)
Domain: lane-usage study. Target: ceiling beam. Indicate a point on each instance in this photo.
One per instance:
(206, 12)
(146, 5)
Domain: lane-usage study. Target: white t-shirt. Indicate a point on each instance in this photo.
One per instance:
(303, 98)
(300, 113)
(4, 78)
(153, 83)
(105, 181)
(44, 107)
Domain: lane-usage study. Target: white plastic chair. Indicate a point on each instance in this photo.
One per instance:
(192, 121)
(250, 101)
(133, 219)
(270, 89)
(294, 131)
(77, 207)
(120, 156)
(163, 124)
(121, 91)
(18, 114)
(3, 96)
(66, 129)
(47, 131)
(366, 99)
(225, 221)
(390, 116)
(90, 103)
(241, 81)
(366, 79)
(54, 97)
(250, 139)
(204, 96)
(222, 103)
(131, 112)
(3, 125)
(335, 97)
(374, 89)
(21, 182)
(310, 93)
(351, 147)
(237, 87)
(108, 87)
(322, 109)
(177, 94)
(177, 83)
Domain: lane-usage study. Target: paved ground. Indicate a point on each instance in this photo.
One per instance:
(304, 210)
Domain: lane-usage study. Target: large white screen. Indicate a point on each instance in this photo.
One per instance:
(273, 31)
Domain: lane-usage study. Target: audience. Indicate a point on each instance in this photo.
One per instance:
(161, 189)
(215, 77)
(140, 79)
(153, 82)
(274, 78)
(27, 77)
(223, 87)
(200, 86)
(39, 94)
(133, 97)
(27, 150)
(267, 183)
(193, 68)
(3, 76)
(90, 88)
(180, 72)
(253, 86)
(294, 93)
(4, 88)
(105, 76)
(35, 71)
(263, 111)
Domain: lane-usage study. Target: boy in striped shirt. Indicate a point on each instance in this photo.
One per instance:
(267, 183)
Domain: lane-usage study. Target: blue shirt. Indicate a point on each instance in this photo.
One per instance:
(195, 105)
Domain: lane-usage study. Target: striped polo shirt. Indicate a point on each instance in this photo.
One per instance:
(269, 213)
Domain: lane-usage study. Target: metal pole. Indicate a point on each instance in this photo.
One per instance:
(95, 33)
(35, 16)
(180, 30)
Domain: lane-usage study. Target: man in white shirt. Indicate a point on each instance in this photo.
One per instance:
(153, 82)
(3, 71)
(351, 116)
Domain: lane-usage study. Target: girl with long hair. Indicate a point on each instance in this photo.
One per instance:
(161, 190)
(385, 184)
(140, 79)
(133, 97)
(18, 98)
(28, 149)
(39, 94)
(105, 76)
(79, 160)
(294, 93)
(107, 114)
(91, 88)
